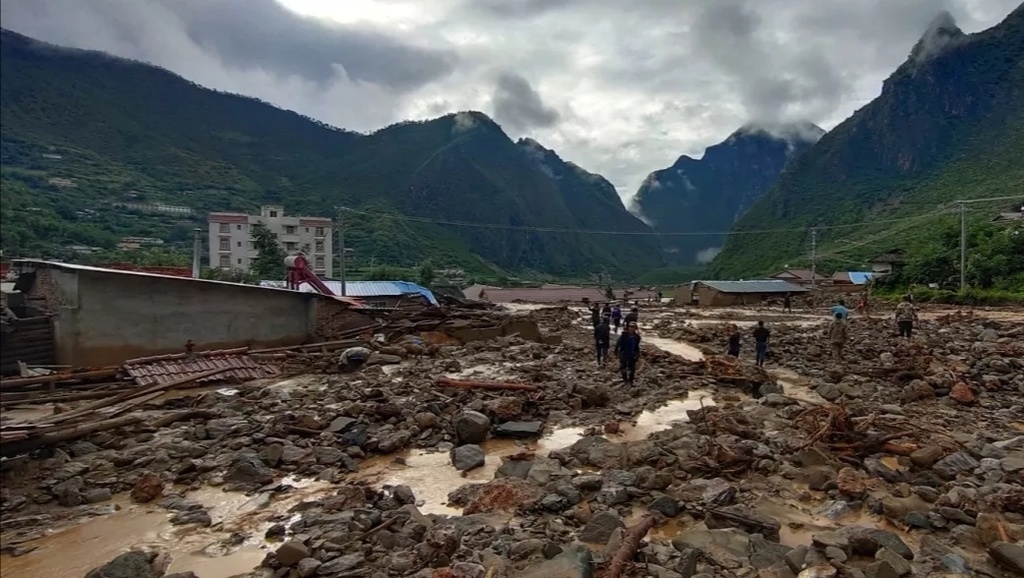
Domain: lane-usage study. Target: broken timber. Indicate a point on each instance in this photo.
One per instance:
(630, 544)
(470, 384)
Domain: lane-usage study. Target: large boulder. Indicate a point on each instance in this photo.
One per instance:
(471, 427)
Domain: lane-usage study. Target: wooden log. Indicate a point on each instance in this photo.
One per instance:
(470, 384)
(26, 445)
(631, 539)
(130, 394)
(11, 384)
(180, 416)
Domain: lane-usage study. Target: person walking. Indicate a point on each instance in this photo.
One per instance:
(734, 342)
(595, 314)
(627, 347)
(606, 311)
(838, 333)
(616, 317)
(787, 303)
(905, 317)
(633, 316)
(602, 341)
(761, 335)
(840, 309)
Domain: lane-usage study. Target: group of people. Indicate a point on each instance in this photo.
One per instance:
(627, 346)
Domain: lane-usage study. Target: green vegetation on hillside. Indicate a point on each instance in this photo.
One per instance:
(83, 134)
(943, 129)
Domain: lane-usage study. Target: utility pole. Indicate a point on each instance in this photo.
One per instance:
(814, 255)
(963, 246)
(341, 243)
(197, 244)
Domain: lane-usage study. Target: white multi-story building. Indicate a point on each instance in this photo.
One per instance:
(231, 243)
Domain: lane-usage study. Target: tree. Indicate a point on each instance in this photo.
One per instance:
(426, 274)
(269, 261)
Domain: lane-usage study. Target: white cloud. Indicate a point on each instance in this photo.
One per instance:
(621, 90)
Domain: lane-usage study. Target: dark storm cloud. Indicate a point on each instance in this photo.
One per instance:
(244, 34)
(262, 33)
(520, 107)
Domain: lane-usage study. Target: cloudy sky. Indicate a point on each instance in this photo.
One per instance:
(620, 88)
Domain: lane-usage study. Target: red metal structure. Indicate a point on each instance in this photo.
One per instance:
(299, 273)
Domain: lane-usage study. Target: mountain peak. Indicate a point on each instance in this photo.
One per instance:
(940, 35)
(803, 131)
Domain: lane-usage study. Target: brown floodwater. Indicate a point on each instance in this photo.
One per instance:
(73, 551)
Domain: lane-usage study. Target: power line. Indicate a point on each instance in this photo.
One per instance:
(600, 232)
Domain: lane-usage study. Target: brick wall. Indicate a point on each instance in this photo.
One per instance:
(44, 295)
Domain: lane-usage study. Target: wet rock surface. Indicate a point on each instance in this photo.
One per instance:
(906, 461)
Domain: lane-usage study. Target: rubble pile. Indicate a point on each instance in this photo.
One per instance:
(906, 460)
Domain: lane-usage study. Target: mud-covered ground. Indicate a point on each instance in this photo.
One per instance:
(905, 459)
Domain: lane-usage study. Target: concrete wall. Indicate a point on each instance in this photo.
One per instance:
(118, 316)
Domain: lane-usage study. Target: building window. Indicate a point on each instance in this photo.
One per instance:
(225, 244)
(319, 263)
(225, 260)
(319, 232)
(239, 243)
(273, 214)
(238, 227)
(290, 246)
(225, 228)
(307, 229)
(289, 230)
(319, 247)
(239, 261)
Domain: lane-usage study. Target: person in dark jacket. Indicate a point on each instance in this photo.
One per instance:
(602, 340)
(734, 342)
(633, 316)
(606, 311)
(616, 318)
(595, 314)
(627, 347)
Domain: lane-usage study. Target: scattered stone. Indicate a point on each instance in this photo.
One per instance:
(575, 562)
(519, 429)
(340, 424)
(956, 463)
(249, 469)
(307, 567)
(471, 427)
(291, 552)
(927, 456)
(134, 564)
(148, 488)
(467, 457)
(600, 528)
(666, 506)
(1009, 556)
(962, 394)
(898, 563)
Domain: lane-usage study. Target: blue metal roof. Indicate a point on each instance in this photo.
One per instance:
(754, 286)
(860, 277)
(366, 288)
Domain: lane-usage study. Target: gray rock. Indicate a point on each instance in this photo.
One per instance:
(199, 517)
(340, 424)
(70, 492)
(291, 552)
(956, 515)
(687, 565)
(600, 528)
(514, 469)
(588, 482)
(1009, 556)
(328, 456)
(727, 548)
(880, 569)
(721, 518)
(519, 429)
(307, 567)
(271, 454)
(829, 391)
(134, 564)
(526, 549)
(898, 563)
(955, 563)
(956, 463)
(341, 564)
(796, 557)
(392, 443)
(666, 505)
(867, 542)
(1012, 464)
(97, 495)
(403, 494)
(468, 570)
(576, 562)
(592, 395)
(554, 503)
(248, 469)
(471, 427)
(764, 554)
(467, 457)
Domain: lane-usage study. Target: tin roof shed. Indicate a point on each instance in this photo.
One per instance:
(754, 286)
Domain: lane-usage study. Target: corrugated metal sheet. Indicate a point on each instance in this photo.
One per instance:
(242, 367)
(754, 286)
(860, 277)
(365, 288)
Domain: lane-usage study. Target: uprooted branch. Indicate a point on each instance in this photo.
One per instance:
(630, 544)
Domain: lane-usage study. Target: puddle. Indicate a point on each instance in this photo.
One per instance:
(204, 551)
(664, 417)
(432, 477)
(675, 347)
(795, 385)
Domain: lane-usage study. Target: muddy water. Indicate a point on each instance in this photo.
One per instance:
(75, 550)
(675, 347)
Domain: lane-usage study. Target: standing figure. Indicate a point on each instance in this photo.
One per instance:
(840, 309)
(838, 333)
(602, 341)
(595, 314)
(761, 335)
(628, 349)
(906, 316)
(633, 316)
(616, 317)
(787, 303)
(734, 342)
